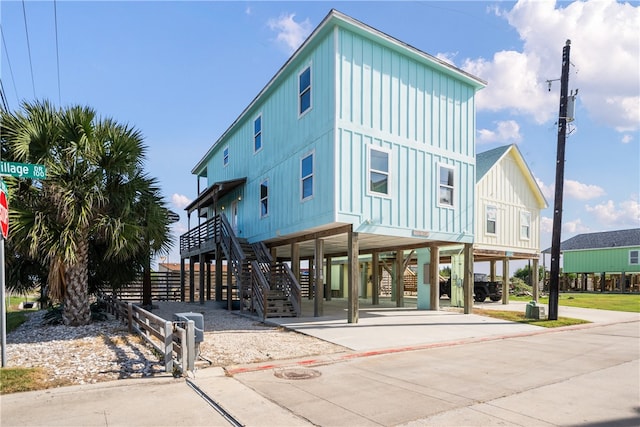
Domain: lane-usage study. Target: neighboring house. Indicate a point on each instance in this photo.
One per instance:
(508, 209)
(615, 254)
(360, 144)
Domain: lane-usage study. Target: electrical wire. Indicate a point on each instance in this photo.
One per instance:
(55, 18)
(4, 45)
(26, 30)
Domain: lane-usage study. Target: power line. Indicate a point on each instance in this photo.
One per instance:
(26, 30)
(13, 80)
(55, 17)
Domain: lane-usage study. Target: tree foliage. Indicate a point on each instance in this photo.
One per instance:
(97, 217)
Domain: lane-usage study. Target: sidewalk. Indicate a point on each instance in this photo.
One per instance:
(405, 367)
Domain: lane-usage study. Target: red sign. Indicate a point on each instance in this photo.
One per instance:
(4, 210)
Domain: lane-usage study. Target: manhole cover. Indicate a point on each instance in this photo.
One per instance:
(297, 374)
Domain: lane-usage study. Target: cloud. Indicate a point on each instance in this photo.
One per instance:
(290, 32)
(180, 201)
(580, 191)
(506, 131)
(605, 53)
(447, 57)
(548, 191)
(625, 214)
(627, 138)
(546, 224)
(574, 227)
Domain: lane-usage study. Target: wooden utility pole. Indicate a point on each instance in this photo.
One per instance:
(557, 208)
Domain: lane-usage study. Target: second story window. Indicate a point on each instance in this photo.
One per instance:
(304, 91)
(378, 171)
(491, 214)
(306, 176)
(446, 186)
(525, 225)
(264, 198)
(257, 134)
(633, 257)
(225, 156)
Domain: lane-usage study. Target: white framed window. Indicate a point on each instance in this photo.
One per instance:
(264, 198)
(379, 173)
(491, 214)
(304, 91)
(446, 178)
(257, 134)
(225, 156)
(634, 256)
(525, 225)
(306, 176)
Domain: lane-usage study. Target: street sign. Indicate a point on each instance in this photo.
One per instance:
(23, 170)
(4, 210)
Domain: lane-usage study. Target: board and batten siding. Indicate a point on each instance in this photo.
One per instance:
(610, 260)
(505, 187)
(286, 139)
(423, 118)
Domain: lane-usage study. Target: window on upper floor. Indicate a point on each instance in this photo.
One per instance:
(225, 156)
(525, 225)
(306, 176)
(304, 91)
(257, 134)
(264, 198)
(378, 171)
(491, 213)
(633, 257)
(446, 186)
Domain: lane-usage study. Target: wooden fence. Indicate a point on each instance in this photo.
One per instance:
(174, 340)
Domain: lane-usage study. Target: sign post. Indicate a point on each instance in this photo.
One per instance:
(4, 224)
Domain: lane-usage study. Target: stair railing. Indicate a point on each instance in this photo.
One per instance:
(260, 290)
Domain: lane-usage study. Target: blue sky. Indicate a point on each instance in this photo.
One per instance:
(182, 72)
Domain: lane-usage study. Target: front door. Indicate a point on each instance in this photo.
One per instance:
(234, 216)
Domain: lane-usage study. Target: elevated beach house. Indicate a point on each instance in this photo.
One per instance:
(359, 151)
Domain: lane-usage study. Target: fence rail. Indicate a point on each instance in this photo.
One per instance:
(174, 340)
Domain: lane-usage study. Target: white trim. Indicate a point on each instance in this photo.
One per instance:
(637, 257)
(453, 187)
(311, 153)
(388, 152)
(299, 94)
(253, 132)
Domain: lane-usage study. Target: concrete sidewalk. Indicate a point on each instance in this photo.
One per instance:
(405, 367)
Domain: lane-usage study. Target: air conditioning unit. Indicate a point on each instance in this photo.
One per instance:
(198, 323)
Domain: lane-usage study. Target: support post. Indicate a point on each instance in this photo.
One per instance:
(375, 279)
(230, 288)
(219, 283)
(557, 210)
(399, 279)
(295, 260)
(209, 280)
(505, 280)
(201, 277)
(182, 279)
(535, 280)
(434, 274)
(354, 277)
(327, 281)
(318, 309)
(467, 284)
(192, 279)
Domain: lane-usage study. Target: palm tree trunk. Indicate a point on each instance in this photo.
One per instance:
(77, 311)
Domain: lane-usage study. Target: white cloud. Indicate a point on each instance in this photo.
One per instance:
(180, 201)
(627, 139)
(546, 224)
(625, 214)
(179, 228)
(574, 227)
(605, 51)
(548, 191)
(447, 57)
(248, 10)
(580, 191)
(290, 32)
(506, 131)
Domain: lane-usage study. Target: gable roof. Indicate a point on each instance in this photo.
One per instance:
(335, 18)
(488, 159)
(601, 240)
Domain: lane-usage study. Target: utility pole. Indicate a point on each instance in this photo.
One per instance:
(557, 208)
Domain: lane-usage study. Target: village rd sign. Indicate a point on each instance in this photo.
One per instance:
(23, 170)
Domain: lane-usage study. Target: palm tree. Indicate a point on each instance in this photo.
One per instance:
(95, 195)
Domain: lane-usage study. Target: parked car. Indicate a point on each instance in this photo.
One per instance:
(482, 288)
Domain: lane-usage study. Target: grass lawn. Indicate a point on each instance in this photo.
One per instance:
(614, 302)
(516, 316)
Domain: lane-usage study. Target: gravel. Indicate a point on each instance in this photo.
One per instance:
(105, 351)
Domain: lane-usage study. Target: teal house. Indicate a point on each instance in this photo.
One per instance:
(358, 152)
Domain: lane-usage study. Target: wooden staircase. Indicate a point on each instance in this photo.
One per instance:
(278, 305)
